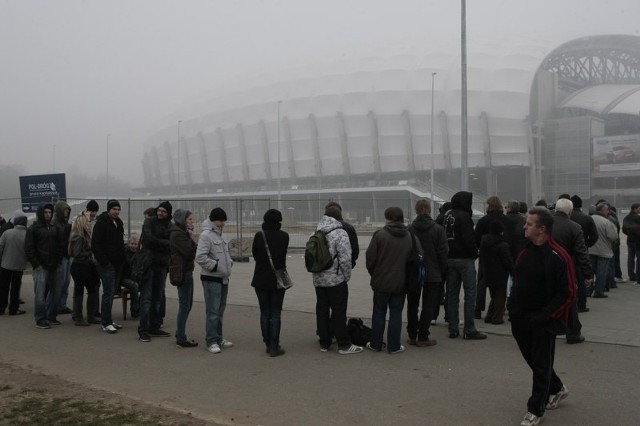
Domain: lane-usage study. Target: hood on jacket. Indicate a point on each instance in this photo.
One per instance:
(490, 240)
(59, 215)
(208, 225)
(327, 223)
(180, 217)
(462, 200)
(40, 211)
(397, 229)
(423, 223)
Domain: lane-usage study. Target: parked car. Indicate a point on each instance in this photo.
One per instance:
(620, 154)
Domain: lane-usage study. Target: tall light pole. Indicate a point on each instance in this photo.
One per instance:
(433, 204)
(464, 146)
(54, 159)
(178, 191)
(107, 180)
(279, 198)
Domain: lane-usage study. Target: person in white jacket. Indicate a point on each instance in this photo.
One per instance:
(601, 252)
(213, 256)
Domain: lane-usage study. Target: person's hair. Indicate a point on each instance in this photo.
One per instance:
(423, 207)
(564, 205)
(541, 203)
(545, 218)
(635, 206)
(600, 206)
(494, 205)
(513, 206)
(577, 201)
(394, 214)
(133, 237)
(80, 226)
(564, 196)
(150, 212)
(524, 208)
(333, 212)
(333, 204)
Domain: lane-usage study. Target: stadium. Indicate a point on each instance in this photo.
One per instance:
(542, 120)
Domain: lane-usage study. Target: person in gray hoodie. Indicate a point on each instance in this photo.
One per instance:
(332, 293)
(13, 263)
(212, 254)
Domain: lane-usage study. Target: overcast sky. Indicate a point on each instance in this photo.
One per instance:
(73, 71)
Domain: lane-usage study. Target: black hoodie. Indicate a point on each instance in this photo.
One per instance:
(434, 245)
(458, 227)
(43, 243)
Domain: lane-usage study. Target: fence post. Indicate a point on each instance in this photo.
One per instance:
(129, 218)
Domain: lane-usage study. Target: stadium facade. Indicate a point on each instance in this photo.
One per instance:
(542, 120)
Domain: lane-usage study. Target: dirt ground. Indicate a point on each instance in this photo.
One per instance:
(28, 397)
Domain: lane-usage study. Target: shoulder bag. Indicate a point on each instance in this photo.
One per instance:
(283, 279)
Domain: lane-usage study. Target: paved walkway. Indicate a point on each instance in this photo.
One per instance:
(456, 382)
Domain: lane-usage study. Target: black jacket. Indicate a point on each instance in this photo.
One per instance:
(495, 260)
(434, 246)
(155, 239)
(589, 230)
(182, 245)
(631, 227)
(43, 243)
(569, 235)
(107, 240)
(353, 240)
(482, 227)
(514, 233)
(458, 227)
(278, 240)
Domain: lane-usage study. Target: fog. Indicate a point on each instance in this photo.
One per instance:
(80, 76)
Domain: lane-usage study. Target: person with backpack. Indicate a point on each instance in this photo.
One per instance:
(351, 232)
(332, 293)
(436, 250)
(387, 256)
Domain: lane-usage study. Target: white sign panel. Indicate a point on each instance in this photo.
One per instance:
(616, 153)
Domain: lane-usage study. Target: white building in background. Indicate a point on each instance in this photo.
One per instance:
(363, 126)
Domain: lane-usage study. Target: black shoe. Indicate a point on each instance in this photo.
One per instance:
(277, 352)
(20, 302)
(94, 320)
(575, 340)
(478, 315)
(454, 334)
(476, 335)
(18, 312)
(159, 333)
(187, 344)
(600, 296)
(54, 322)
(43, 325)
(144, 338)
(65, 311)
(582, 310)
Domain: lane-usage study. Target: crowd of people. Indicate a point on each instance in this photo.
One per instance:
(540, 265)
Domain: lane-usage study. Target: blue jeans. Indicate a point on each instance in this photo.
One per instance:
(270, 316)
(43, 280)
(109, 275)
(151, 292)
(185, 302)
(395, 303)
(215, 300)
(54, 292)
(633, 261)
(65, 275)
(601, 267)
(462, 272)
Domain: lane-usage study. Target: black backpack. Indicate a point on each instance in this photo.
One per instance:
(359, 333)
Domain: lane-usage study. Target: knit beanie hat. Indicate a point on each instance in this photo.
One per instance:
(272, 216)
(217, 214)
(92, 206)
(112, 203)
(180, 217)
(167, 206)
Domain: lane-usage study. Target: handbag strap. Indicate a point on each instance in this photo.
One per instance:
(266, 245)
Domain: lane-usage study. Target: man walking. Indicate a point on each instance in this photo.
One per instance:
(631, 228)
(107, 244)
(43, 247)
(463, 252)
(539, 307)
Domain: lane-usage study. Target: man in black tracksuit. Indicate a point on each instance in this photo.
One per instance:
(539, 308)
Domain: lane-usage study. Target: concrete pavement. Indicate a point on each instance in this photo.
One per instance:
(456, 382)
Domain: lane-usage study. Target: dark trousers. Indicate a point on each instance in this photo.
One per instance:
(537, 346)
(481, 293)
(270, 316)
(10, 283)
(616, 259)
(395, 303)
(151, 294)
(331, 314)
(633, 260)
(83, 277)
(495, 311)
(431, 294)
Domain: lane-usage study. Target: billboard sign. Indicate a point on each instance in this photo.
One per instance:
(38, 189)
(616, 153)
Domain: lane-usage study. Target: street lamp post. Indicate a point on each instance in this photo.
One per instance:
(107, 179)
(279, 189)
(464, 147)
(433, 204)
(178, 190)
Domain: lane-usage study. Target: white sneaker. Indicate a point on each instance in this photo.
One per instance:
(116, 326)
(530, 419)
(110, 329)
(353, 349)
(434, 322)
(620, 280)
(226, 344)
(554, 400)
(399, 350)
(215, 349)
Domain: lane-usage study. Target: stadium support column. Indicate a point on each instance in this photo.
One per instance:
(265, 151)
(187, 166)
(156, 167)
(172, 171)
(203, 158)
(344, 145)
(243, 152)
(286, 127)
(313, 130)
(490, 174)
(464, 143)
(375, 139)
(223, 157)
(408, 143)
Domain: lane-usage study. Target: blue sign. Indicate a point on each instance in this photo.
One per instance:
(38, 189)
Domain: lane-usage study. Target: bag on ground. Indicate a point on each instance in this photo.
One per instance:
(359, 333)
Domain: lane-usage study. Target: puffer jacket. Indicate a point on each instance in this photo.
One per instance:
(12, 248)
(212, 253)
(43, 243)
(387, 256)
(434, 244)
(340, 249)
(80, 250)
